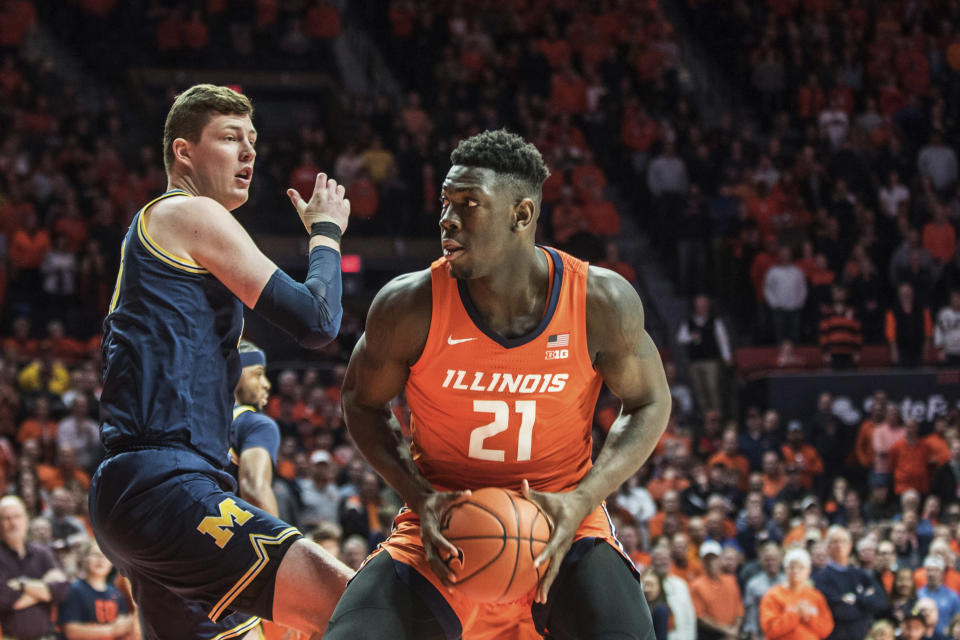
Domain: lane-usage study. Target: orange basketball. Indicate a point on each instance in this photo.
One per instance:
(499, 534)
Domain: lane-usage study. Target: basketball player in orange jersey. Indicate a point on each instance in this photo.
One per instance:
(501, 347)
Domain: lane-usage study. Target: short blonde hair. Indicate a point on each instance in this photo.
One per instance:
(194, 108)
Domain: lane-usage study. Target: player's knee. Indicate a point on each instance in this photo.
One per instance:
(308, 585)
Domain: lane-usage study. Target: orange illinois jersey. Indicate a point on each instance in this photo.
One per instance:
(490, 411)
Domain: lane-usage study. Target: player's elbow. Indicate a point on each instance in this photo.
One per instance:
(322, 330)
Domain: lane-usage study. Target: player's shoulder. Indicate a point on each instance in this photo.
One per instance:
(254, 419)
(184, 207)
(609, 291)
(405, 295)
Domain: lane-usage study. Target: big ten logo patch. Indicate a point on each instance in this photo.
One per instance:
(557, 354)
(220, 528)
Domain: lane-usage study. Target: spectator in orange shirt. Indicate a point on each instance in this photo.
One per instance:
(796, 452)
(716, 598)
(939, 236)
(601, 216)
(669, 506)
(686, 562)
(863, 448)
(940, 547)
(65, 473)
(729, 457)
(910, 461)
(28, 246)
(20, 348)
(795, 610)
(936, 440)
(774, 479)
(41, 427)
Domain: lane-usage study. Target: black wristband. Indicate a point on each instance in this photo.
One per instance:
(327, 229)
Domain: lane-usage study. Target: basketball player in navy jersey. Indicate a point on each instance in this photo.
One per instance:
(162, 506)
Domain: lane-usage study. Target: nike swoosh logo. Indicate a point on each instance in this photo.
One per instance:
(451, 341)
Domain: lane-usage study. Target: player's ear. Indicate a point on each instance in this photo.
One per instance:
(525, 214)
(182, 150)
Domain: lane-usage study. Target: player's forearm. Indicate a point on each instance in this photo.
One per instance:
(378, 436)
(310, 311)
(259, 495)
(630, 441)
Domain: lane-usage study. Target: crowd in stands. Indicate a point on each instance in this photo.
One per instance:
(849, 187)
(838, 214)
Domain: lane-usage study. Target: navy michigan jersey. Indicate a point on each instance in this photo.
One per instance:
(249, 429)
(169, 351)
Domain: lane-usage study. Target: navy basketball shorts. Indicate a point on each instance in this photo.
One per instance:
(170, 521)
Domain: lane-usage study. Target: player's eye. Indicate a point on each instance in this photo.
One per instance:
(472, 203)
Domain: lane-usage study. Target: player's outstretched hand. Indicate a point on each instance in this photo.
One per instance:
(565, 511)
(439, 550)
(327, 203)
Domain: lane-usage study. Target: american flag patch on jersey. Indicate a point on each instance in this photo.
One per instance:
(561, 340)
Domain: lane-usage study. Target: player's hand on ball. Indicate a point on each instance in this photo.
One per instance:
(439, 550)
(565, 511)
(327, 203)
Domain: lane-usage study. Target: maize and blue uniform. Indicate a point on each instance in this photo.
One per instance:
(249, 429)
(162, 506)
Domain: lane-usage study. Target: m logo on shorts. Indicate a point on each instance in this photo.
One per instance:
(219, 527)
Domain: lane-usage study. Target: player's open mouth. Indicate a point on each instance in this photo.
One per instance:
(244, 175)
(451, 249)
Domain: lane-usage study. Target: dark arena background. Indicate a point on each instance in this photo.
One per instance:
(778, 179)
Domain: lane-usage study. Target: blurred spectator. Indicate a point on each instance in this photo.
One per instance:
(946, 332)
(795, 610)
(731, 459)
(946, 479)
(757, 587)
(947, 601)
(64, 473)
(67, 529)
(93, 607)
(914, 625)
(716, 598)
(939, 237)
(708, 347)
(677, 593)
(798, 453)
(318, 492)
(909, 329)
(853, 596)
(353, 550)
(657, 601)
(81, 434)
(910, 460)
(903, 594)
(840, 333)
(44, 374)
(938, 163)
(785, 291)
(892, 195)
(31, 581)
(930, 613)
(40, 427)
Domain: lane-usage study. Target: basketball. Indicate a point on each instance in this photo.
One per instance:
(499, 534)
